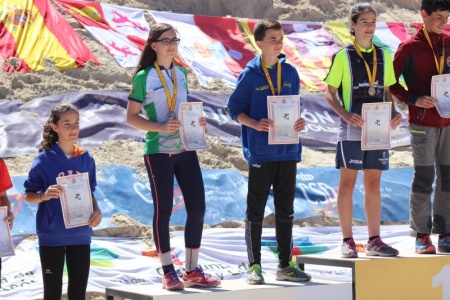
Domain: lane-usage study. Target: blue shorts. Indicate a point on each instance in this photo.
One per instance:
(349, 155)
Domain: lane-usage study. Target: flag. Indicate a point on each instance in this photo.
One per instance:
(123, 31)
(212, 46)
(31, 30)
(308, 47)
(387, 35)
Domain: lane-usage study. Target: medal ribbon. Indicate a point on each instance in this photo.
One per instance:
(375, 65)
(440, 65)
(170, 100)
(269, 80)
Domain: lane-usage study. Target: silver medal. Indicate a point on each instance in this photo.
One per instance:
(171, 116)
(372, 91)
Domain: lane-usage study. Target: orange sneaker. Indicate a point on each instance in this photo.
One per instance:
(198, 278)
(172, 282)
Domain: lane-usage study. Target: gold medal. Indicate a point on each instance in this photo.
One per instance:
(371, 75)
(171, 100)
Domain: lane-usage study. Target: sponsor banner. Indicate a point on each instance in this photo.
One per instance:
(212, 46)
(226, 196)
(122, 261)
(31, 30)
(22, 125)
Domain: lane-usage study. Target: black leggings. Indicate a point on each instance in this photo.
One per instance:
(161, 169)
(77, 259)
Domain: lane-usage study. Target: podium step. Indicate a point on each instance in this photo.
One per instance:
(239, 290)
(405, 277)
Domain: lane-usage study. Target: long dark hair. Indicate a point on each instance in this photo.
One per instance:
(148, 55)
(356, 11)
(50, 137)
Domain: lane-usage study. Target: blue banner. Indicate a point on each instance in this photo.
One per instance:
(123, 190)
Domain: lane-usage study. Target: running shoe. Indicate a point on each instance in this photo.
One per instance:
(444, 244)
(377, 247)
(254, 275)
(348, 249)
(292, 273)
(198, 278)
(172, 282)
(424, 245)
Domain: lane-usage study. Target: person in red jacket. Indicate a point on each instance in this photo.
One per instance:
(5, 184)
(425, 54)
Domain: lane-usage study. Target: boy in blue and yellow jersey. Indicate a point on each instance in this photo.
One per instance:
(268, 164)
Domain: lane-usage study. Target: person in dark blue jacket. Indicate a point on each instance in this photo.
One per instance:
(60, 156)
(266, 75)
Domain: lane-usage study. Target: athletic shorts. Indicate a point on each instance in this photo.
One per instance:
(350, 156)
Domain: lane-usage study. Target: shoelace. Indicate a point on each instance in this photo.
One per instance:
(379, 243)
(202, 274)
(172, 275)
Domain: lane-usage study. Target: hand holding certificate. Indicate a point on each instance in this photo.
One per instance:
(192, 134)
(376, 131)
(6, 245)
(284, 111)
(440, 90)
(76, 200)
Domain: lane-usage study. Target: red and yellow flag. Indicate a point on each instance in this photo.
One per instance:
(33, 29)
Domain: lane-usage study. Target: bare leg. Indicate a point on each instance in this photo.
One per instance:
(347, 182)
(372, 200)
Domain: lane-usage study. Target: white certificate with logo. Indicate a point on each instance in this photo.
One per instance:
(6, 245)
(376, 131)
(284, 111)
(192, 134)
(76, 200)
(440, 90)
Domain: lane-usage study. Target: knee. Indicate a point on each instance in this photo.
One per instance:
(284, 214)
(423, 179)
(254, 218)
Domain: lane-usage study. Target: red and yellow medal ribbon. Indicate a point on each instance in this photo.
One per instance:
(171, 100)
(370, 75)
(440, 64)
(269, 80)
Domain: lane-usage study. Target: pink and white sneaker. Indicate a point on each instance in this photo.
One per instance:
(198, 278)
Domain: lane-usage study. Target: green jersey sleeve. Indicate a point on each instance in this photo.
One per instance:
(138, 88)
(389, 75)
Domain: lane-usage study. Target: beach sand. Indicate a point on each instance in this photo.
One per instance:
(27, 86)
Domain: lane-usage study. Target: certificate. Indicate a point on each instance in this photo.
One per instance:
(6, 245)
(440, 90)
(192, 134)
(76, 199)
(376, 131)
(284, 111)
